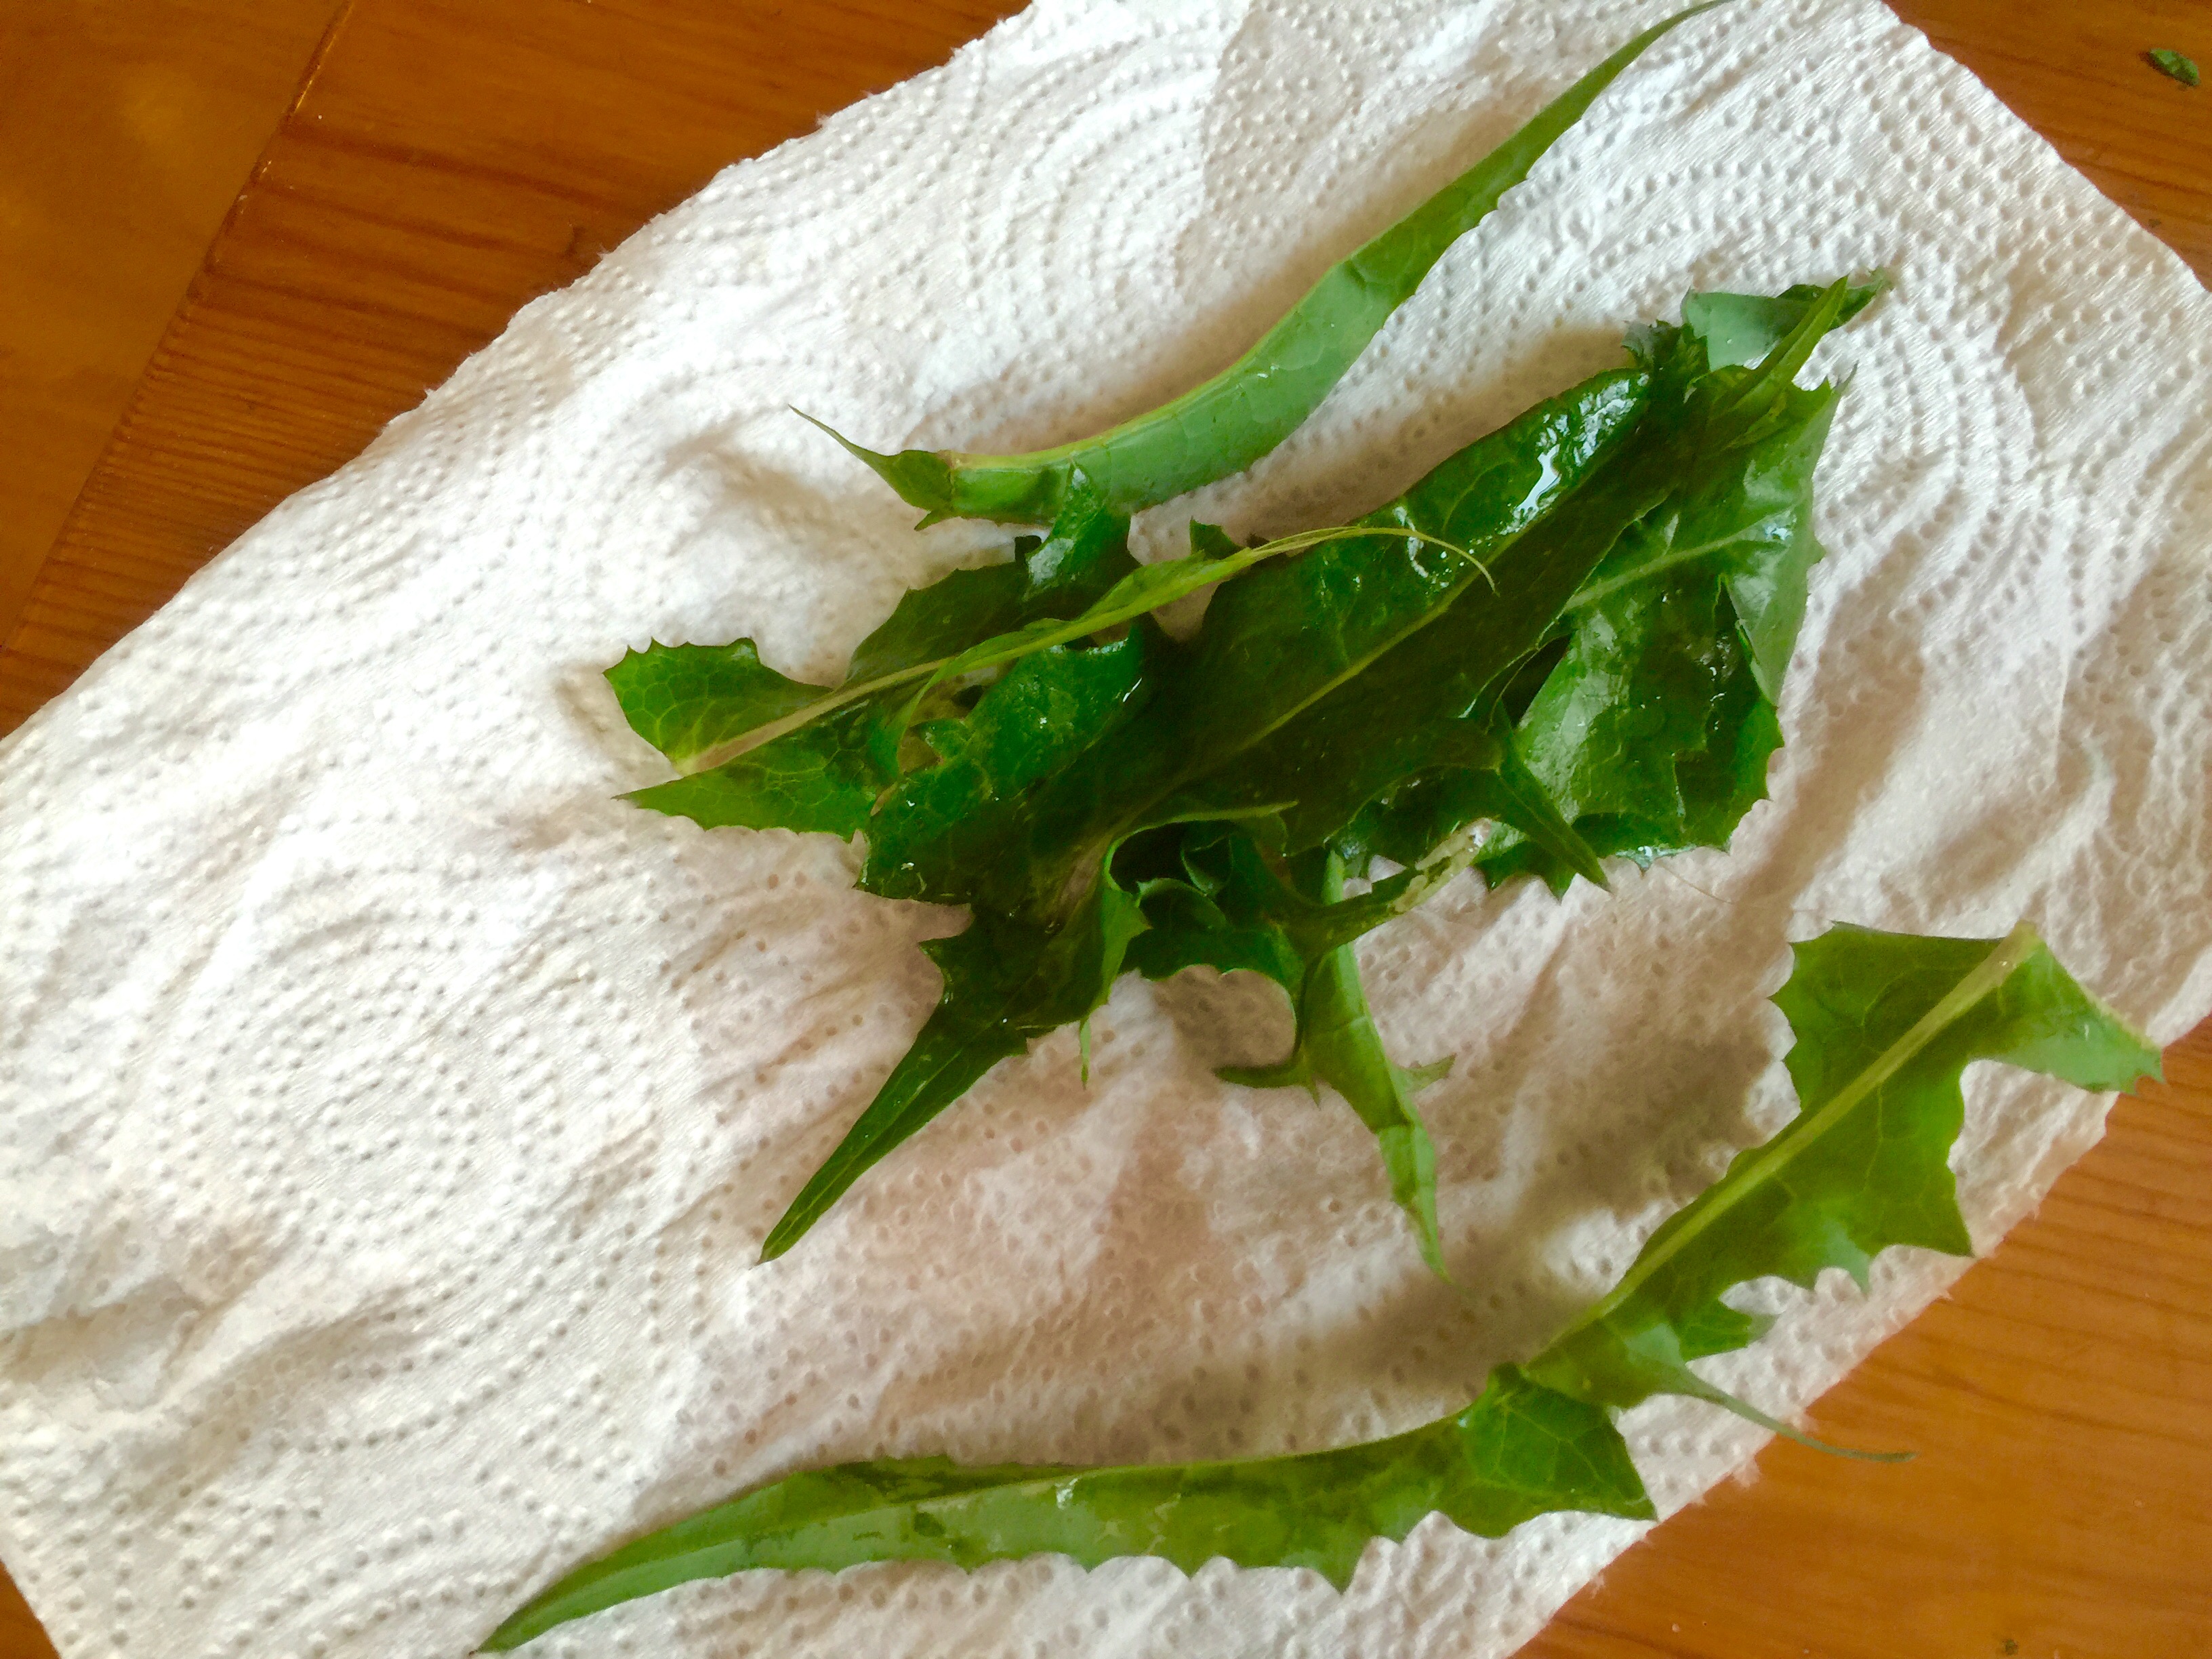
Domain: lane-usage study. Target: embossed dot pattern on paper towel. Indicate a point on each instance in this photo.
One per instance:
(395, 1115)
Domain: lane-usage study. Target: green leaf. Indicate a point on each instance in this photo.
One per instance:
(1380, 689)
(972, 810)
(1085, 555)
(1338, 1044)
(1007, 983)
(1211, 541)
(718, 709)
(686, 700)
(1230, 422)
(1739, 329)
(1141, 590)
(824, 775)
(2167, 61)
(1236, 913)
(1885, 1023)
(1518, 1451)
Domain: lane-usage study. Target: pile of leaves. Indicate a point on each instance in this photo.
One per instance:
(1566, 644)
(1575, 630)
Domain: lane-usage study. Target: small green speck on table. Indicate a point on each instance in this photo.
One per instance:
(2167, 61)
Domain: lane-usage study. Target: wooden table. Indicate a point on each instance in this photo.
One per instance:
(446, 160)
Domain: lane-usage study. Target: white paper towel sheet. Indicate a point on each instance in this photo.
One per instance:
(393, 1115)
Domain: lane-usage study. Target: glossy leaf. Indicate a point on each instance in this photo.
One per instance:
(688, 700)
(704, 706)
(1232, 909)
(1338, 1044)
(1223, 426)
(824, 775)
(1145, 589)
(1652, 727)
(1007, 983)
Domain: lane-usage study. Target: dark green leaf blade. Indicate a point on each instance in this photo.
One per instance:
(971, 810)
(1336, 1041)
(1277, 640)
(1651, 735)
(1338, 1044)
(1653, 729)
(1007, 983)
(1518, 1451)
(1885, 1024)
(1238, 913)
(706, 707)
(947, 617)
(1729, 454)
(1085, 554)
(1422, 698)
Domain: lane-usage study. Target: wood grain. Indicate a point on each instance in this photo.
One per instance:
(126, 129)
(450, 158)
(20, 1636)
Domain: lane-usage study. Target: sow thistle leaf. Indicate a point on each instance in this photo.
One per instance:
(701, 705)
(1559, 631)
(1883, 1026)
(1517, 1452)
(688, 700)
(1007, 983)
(1653, 728)
(1022, 835)
(1085, 555)
(823, 776)
(1230, 910)
(1226, 423)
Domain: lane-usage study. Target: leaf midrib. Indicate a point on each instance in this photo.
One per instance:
(1670, 560)
(1021, 642)
(1986, 977)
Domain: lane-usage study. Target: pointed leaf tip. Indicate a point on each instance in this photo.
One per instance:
(923, 479)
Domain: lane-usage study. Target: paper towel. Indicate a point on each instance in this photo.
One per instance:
(393, 1115)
